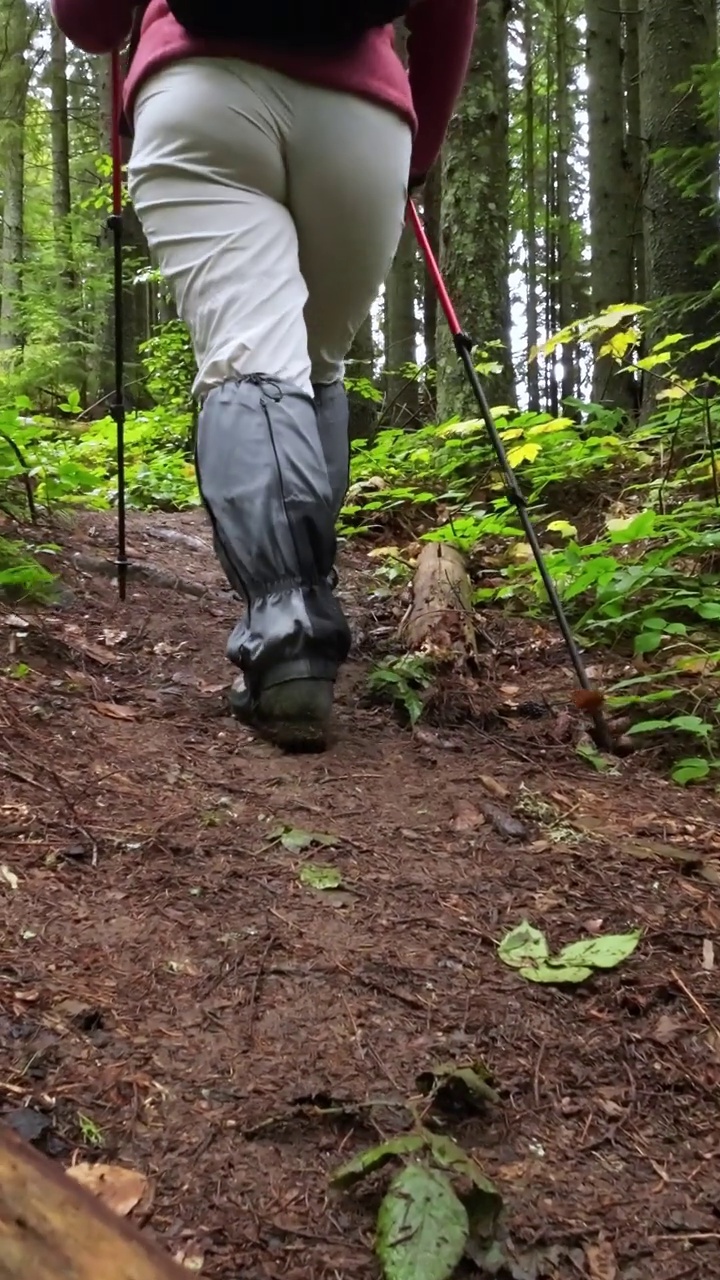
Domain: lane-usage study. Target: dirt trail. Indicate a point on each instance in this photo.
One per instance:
(169, 987)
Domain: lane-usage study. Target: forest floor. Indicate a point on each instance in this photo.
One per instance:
(174, 997)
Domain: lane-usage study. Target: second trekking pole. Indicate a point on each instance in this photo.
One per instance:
(463, 347)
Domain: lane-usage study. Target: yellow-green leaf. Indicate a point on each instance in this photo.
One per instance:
(526, 452)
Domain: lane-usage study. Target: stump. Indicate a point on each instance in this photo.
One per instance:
(51, 1228)
(440, 616)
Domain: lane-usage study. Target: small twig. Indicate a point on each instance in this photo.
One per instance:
(690, 1235)
(693, 1000)
(23, 777)
(256, 983)
(536, 1075)
(12, 1088)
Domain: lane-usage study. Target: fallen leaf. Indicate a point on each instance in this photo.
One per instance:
(611, 1108)
(111, 637)
(467, 817)
(523, 945)
(708, 955)
(117, 710)
(593, 927)
(296, 840)
(504, 823)
(318, 877)
(118, 1188)
(28, 1124)
(191, 1261)
(712, 1039)
(94, 651)
(78, 1012)
(494, 787)
(525, 948)
(667, 1028)
(563, 727)
(601, 1261)
(427, 738)
(9, 877)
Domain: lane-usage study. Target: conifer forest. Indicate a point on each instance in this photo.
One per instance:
(442, 1002)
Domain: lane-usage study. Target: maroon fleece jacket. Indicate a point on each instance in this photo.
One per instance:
(439, 45)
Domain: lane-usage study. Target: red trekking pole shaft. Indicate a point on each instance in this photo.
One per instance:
(115, 226)
(463, 346)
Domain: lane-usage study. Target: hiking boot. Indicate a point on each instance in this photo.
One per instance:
(294, 715)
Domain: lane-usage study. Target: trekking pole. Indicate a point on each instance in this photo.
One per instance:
(117, 408)
(463, 347)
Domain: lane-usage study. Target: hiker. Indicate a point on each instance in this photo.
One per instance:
(273, 149)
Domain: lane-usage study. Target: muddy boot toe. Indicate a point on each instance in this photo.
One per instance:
(294, 715)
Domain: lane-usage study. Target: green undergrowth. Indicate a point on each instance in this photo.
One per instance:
(629, 520)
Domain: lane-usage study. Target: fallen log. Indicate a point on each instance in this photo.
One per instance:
(51, 1228)
(440, 616)
(143, 572)
(179, 539)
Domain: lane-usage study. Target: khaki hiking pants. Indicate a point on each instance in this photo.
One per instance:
(273, 209)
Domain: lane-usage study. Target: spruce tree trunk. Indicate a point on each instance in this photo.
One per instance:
(14, 82)
(432, 194)
(564, 243)
(681, 231)
(611, 241)
(361, 367)
(401, 332)
(530, 175)
(633, 141)
(68, 298)
(474, 235)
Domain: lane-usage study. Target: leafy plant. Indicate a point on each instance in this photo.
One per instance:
(401, 680)
(526, 949)
(438, 1205)
(638, 574)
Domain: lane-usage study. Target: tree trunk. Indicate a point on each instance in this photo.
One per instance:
(529, 172)
(137, 305)
(401, 333)
(61, 195)
(14, 82)
(361, 374)
(475, 220)
(681, 227)
(610, 222)
(432, 194)
(550, 239)
(633, 141)
(565, 257)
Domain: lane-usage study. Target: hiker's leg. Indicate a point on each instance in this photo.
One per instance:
(209, 185)
(347, 174)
